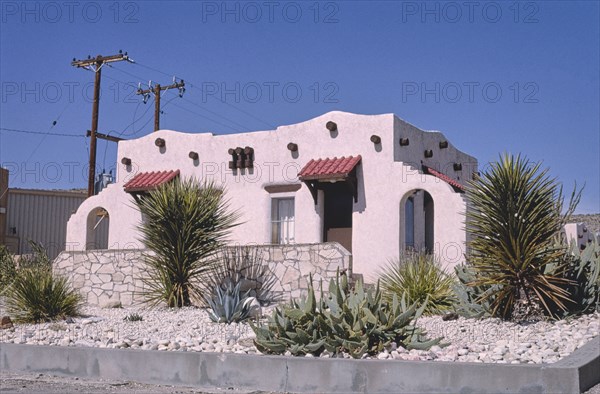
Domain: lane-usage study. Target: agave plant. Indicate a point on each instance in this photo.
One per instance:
(229, 304)
(185, 225)
(583, 271)
(418, 277)
(471, 301)
(513, 223)
(353, 321)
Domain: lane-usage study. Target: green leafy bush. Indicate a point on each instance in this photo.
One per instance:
(418, 277)
(352, 321)
(513, 222)
(185, 225)
(229, 304)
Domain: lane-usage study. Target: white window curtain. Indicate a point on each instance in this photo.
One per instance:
(282, 218)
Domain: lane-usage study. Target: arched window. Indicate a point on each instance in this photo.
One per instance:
(409, 223)
(416, 221)
(97, 229)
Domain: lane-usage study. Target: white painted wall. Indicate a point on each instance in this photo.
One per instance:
(385, 176)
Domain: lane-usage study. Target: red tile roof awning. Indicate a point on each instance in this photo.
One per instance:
(145, 181)
(443, 177)
(336, 168)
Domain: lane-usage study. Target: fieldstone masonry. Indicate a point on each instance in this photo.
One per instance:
(104, 276)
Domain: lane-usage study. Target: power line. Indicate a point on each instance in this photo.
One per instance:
(193, 103)
(96, 64)
(194, 86)
(41, 133)
(204, 117)
(54, 122)
(157, 90)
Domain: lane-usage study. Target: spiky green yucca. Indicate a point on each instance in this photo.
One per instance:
(513, 223)
(185, 225)
(418, 277)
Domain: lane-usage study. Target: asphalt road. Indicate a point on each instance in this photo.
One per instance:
(49, 384)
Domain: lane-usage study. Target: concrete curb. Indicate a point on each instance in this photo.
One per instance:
(576, 373)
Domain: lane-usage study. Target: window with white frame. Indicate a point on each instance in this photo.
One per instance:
(282, 220)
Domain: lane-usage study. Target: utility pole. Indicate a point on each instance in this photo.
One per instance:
(95, 64)
(156, 91)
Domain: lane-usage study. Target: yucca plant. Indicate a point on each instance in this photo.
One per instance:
(185, 225)
(418, 277)
(513, 222)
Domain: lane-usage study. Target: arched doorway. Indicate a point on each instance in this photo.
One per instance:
(98, 223)
(416, 221)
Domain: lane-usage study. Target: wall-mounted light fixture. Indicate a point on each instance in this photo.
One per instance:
(126, 161)
(376, 139)
(160, 142)
(193, 155)
(292, 147)
(457, 166)
(404, 142)
(443, 144)
(331, 126)
(428, 153)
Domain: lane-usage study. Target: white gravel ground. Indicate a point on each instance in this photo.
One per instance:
(190, 329)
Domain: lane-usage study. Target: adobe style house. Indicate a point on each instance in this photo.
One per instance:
(374, 183)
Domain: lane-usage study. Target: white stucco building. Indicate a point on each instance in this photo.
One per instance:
(374, 183)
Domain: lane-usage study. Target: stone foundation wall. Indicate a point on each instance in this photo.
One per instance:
(104, 276)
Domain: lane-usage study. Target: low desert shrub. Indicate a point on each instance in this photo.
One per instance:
(243, 266)
(132, 317)
(418, 277)
(37, 295)
(33, 293)
(346, 320)
(8, 269)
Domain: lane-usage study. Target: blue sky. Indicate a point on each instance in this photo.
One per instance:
(493, 76)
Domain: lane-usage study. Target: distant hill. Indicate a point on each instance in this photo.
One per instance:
(592, 221)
